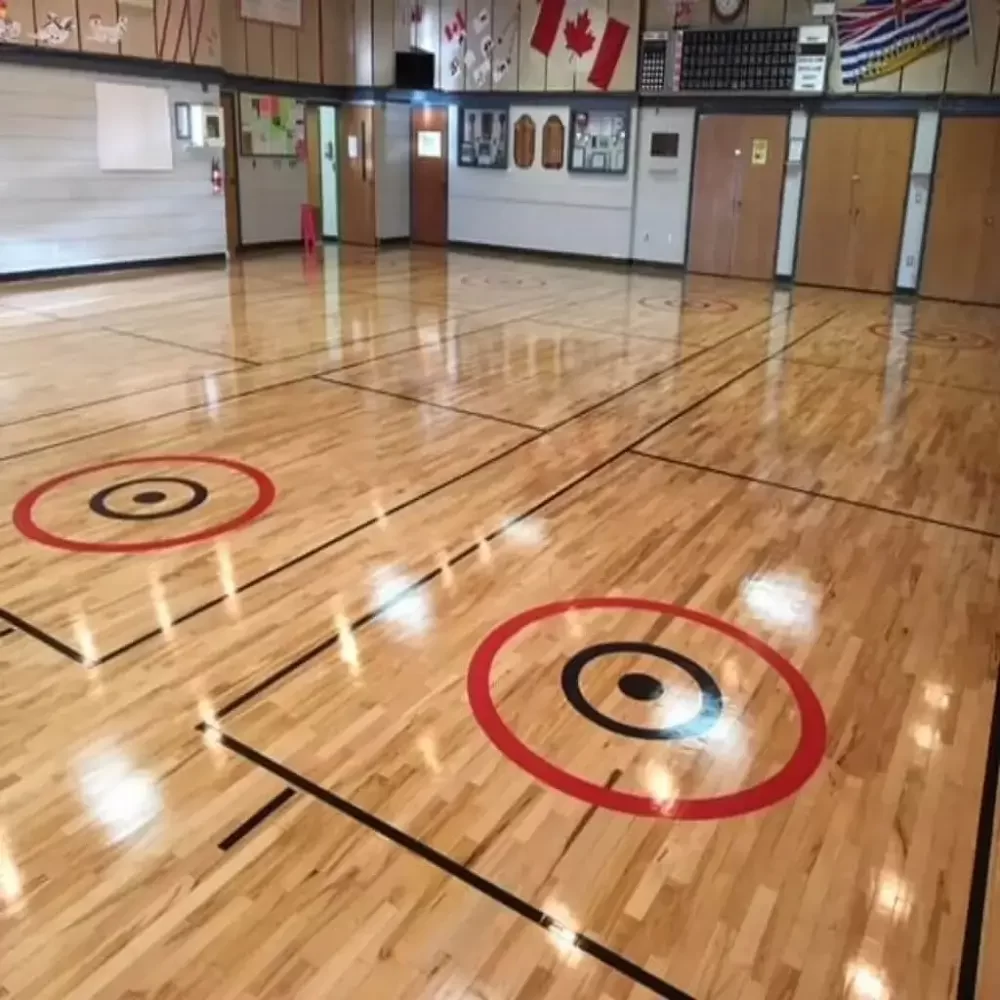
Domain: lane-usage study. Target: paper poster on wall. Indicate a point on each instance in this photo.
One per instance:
(10, 30)
(287, 12)
(55, 31)
(352, 147)
(271, 126)
(758, 152)
(429, 144)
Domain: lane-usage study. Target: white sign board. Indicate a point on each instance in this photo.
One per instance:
(287, 12)
(429, 144)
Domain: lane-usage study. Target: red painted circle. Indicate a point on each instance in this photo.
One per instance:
(796, 772)
(24, 519)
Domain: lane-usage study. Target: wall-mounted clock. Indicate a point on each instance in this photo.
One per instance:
(728, 10)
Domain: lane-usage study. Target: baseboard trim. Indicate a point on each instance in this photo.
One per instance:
(391, 241)
(496, 249)
(113, 267)
(263, 247)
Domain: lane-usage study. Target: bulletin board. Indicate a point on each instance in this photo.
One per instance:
(133, 127)
(271, 126)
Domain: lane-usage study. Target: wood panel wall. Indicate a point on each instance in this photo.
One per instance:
(351, 42)
(173, 31)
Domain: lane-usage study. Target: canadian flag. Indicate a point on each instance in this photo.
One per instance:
(609, 51)
(454, 30)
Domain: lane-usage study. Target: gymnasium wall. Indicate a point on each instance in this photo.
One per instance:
(352, 42)
(61, 210)
(272, 192)
(539, 209)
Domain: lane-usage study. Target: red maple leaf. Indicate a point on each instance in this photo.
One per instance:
(579, 38)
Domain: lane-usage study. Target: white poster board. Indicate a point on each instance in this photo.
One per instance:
(429, 144)
(287, 12)
(134, 130)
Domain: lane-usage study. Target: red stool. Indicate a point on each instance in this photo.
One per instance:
(308, 224)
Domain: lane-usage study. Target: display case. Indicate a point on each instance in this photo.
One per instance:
(598, 141)
(482, 138)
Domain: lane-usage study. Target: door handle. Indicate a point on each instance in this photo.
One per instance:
(364, 154)
(989, 220)
(855, 178)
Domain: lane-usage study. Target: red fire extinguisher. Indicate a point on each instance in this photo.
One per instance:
(216, 176)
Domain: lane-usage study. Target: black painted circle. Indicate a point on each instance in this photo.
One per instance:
(640, 687)
(99, 501)
(711, 697)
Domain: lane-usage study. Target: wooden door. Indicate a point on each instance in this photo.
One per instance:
(884, 148)
(758, 199)
(356, 175)
(826, 225)
(232, 182)
(717, 171)
(429, 175)
(958, 235)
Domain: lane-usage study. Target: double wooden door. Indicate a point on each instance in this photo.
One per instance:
(356, 174)
(736, 203)
(855, 201)
(429, 175)
(962, 248)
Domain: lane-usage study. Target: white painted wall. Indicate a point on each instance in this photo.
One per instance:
(663, 187)
(791, 199)
(272, 192)
(917, 198)
(538, 209)
(60, 210)
(328, 174)
(393, 173)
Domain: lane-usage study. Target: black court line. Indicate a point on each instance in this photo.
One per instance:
(588, 945)
(125, 395)
(427, 402)
(36, 633)
(972, 941)
(906, 378)
(149, 339)
(818, 495)
(153, 416)
(4, 632)
(252, 822)
(283, 672)
(343, 536)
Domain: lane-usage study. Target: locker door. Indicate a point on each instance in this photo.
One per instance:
(956, 230)
(882, 165)
(826, 229)
(758, 200)
(716, 181)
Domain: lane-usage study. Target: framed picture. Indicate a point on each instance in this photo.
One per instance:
(598, 141)
(182, 120)
(482, 138)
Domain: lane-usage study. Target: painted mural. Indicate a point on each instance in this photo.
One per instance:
(178, 31)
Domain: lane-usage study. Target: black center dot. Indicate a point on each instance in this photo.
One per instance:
(640, 687)
(150, 496)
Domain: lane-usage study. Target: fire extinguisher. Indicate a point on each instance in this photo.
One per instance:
(216, 176)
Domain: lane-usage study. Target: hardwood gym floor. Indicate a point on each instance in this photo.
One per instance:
(448, 626)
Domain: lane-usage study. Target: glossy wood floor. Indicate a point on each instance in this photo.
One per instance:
(445, 626)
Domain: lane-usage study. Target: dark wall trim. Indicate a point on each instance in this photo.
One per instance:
(115, 266)
(874, 104)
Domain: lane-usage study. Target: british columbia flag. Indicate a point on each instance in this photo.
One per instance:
(879, 36)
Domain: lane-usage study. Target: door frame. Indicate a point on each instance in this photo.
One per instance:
(227, 100)
(847, 112)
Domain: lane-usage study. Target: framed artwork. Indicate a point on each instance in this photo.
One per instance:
(598, 141)
(482, 138)
(553, 143)
(524, 142)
